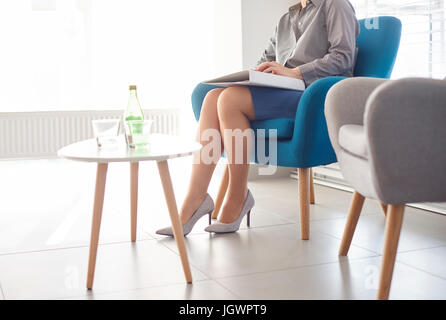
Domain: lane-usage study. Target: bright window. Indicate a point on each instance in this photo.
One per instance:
(83, 54)
(423, 42)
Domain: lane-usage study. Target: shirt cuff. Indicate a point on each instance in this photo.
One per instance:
(308, 73)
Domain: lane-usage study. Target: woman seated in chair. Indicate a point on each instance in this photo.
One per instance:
(313, 40)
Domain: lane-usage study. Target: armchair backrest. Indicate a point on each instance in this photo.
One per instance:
(378, 44)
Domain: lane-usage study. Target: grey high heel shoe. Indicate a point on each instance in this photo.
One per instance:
(220, 227)
(206, 208)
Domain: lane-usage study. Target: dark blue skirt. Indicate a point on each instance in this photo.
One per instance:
(273, 103)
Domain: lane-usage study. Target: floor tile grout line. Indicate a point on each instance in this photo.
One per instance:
(323, 219)
(239, 297)
(188, 257)
(399, 252)
(244, 229)
(337, 238)
(148, 234)
(368, 214)
(421, 270)
(295, 268)
(373, 255)
(288, 224)
(421, 249)
(41, 251)
(352, 244)
(70, 248)
(151, 238)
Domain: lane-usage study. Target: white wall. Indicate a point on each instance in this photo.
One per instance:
(242, 31)
(259, 18)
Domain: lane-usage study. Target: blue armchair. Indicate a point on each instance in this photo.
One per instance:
(303, 142)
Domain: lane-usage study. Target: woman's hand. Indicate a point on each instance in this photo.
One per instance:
(278, 69)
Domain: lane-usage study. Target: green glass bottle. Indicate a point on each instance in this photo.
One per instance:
(133, 111)
(133, 116)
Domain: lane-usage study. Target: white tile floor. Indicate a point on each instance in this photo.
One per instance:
(45, 217)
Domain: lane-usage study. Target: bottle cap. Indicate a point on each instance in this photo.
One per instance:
(132, 87)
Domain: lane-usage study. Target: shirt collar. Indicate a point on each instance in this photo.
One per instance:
(317, 3)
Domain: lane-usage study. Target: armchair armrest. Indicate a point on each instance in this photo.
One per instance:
(311, 144)
(346, 102)
(405, 123)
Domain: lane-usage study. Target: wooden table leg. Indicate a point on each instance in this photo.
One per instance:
(134, 168)
(101, 176)
(166, 181)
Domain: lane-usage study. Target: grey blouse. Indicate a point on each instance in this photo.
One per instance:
(320, 39)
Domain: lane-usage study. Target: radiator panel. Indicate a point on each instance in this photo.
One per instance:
(28, 135)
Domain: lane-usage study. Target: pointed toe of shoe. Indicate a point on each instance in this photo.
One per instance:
(165, 232)
(219, 227)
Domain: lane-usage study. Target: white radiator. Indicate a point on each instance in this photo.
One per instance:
(331, 176)
(40, 134)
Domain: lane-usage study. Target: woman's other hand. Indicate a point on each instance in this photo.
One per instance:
(276, 68)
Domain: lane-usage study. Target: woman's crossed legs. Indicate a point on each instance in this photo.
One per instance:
(229, 112)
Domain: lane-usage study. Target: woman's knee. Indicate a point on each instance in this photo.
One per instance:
(213, 95)
(232, 101)
(210, 101)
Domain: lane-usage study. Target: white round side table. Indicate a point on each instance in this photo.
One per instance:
(161, 149)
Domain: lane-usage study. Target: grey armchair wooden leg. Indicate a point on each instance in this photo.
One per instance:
(352, 221)
(394, 223)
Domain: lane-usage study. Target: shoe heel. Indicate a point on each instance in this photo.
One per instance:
(210, 218)
(248, 219)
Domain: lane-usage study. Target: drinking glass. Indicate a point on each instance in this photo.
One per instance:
(137, 132)
(106, 131)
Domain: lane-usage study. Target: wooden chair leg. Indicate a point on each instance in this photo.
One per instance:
(134, 169)
(221, 193)
(384, 207)
(101, 175)
(393, 229)
(352, 221)
(166, 181)
(304, 202)
(312, 201)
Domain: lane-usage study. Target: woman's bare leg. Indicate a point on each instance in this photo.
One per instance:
(235, 110)
(201, 170)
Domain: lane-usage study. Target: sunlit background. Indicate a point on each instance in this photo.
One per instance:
(423, 43)
(82, 54)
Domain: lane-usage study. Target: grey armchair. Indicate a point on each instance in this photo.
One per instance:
(390, 141)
